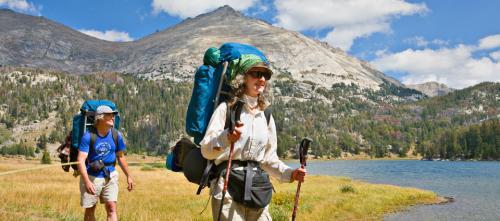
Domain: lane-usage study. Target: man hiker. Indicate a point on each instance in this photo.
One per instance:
(98, 153)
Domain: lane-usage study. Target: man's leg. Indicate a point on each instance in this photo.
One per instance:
(89, 214)
(110, 196)
(89, 201)
(111, 210)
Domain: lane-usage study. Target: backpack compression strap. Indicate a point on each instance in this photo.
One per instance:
(93, 138)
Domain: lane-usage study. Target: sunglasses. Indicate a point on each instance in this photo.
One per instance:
(258, 74)
(109, 115)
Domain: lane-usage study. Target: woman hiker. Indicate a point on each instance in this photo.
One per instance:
(255, 145)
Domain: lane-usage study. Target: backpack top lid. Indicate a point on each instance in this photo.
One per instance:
(239, 56)
(91, 105)
(231, 51)
(80, 121)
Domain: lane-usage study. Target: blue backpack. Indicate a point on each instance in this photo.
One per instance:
(84, 121)
(207, 80)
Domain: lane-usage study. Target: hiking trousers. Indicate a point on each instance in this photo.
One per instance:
(232, 210)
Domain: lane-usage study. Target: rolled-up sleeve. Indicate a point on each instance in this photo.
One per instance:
(215, 136)
(271, 163)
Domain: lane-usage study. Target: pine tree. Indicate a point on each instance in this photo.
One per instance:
(46, 157)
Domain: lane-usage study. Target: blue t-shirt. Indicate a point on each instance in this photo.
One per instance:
(104, 149)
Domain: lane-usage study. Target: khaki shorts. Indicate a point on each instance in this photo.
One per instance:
(106, 190)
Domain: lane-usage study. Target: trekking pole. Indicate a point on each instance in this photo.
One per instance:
(234, 116)
(304, 147)
(36, 168)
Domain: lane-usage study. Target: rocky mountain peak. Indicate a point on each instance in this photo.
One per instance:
(224, 11)
(431, 88)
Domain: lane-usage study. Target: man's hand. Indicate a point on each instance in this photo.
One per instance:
(235, 135)
(89, 186)
(130, 184)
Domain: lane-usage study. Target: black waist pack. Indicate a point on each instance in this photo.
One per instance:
(250, 186)
(99, 165)
(96, 166)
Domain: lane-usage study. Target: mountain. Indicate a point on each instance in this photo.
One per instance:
(175, 53)
(30, 41)
(431, 89)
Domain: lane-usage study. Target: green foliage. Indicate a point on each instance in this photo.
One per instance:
(5, 134)
(480, 142)
(147, 167)
(347, 189)
(46, 157)
(56, 135)
(42, 142)
(355, 120)
(18, 149)
(152, 111)
(282, 203)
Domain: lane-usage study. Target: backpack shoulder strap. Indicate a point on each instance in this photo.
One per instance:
(115, 139)
(93, 138)
(267, 113)
(228, 116)
(115, 136)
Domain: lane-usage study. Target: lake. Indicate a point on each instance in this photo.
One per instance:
(474, 185)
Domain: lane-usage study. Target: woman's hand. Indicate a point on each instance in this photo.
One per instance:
(299, 175)
(235, 135)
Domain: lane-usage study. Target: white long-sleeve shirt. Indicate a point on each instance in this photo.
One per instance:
(258, 140)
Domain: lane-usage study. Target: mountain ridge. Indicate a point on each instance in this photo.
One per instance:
(177, 51)
(431, 88)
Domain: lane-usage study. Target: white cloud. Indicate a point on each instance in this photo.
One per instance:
(422, 42)
(496, 56)
(191, 8)
(440, 42)
(349, 19)
(456, 67)
(20, 5)
(343, 36)
(109, 35)
(262, 8)
(418, 41)
(490, 42)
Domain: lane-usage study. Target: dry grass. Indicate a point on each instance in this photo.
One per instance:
(51, 194)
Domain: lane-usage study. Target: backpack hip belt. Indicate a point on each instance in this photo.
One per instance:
(242, 185)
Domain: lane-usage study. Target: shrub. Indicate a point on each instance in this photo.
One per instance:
(46, 157)
(147, 168)
(347, 189)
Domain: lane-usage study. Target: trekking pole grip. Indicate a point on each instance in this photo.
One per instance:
(304, 147)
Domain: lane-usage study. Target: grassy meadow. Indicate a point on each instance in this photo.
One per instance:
(51, 194)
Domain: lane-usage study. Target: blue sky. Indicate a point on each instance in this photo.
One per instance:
(456, 42)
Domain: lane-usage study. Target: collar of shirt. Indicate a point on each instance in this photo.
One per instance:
(251, 102)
